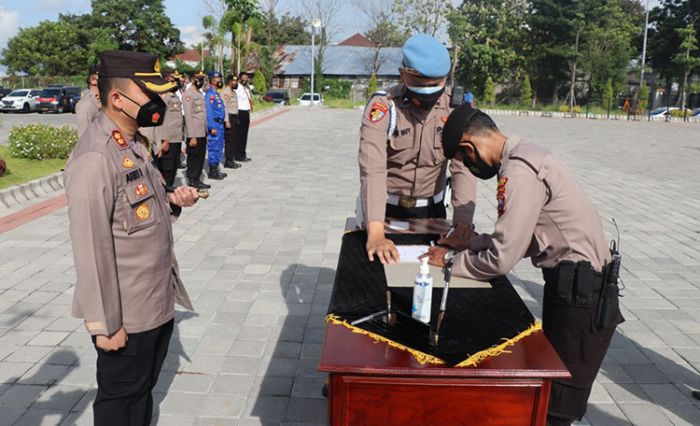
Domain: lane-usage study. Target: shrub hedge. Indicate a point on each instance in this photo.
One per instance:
(40, 141)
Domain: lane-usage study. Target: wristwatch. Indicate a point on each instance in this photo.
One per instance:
(449, 256)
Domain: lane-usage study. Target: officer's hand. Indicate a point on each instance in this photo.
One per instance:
(114, 342)
(164, 147)
(458, 237)
(193, 142)
(228, 124)
(214, 132)
(436, 256)
(384, 249)
(184, 196)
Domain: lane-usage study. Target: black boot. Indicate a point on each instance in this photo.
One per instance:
(198, 184)
(230, 164)
(215, 174)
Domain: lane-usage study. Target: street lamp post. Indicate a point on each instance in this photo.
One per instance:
(644, 46)
(316, 23)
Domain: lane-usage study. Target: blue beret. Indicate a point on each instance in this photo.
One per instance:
(214, 74)
(426, 55)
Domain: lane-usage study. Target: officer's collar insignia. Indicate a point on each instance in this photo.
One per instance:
(501, 196)
(141, 189)
(143, 212)
(127, 162)
(187, 98)
(119, 139)
(155, 117)
(377, 112)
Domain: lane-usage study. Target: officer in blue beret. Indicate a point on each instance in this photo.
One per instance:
(216, 117)
(403, 169)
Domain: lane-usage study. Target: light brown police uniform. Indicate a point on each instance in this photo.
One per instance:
(230, 101)
(86, 110)
(412, 163)
(172, 129)
(544, 215)
(121, 233)
(195, 113)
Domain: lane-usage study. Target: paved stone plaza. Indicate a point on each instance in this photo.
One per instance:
(258, 259)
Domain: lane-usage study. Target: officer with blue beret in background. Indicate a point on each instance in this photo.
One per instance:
(403, 169)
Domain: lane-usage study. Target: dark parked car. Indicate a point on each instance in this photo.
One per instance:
(277, 96)
(58, 99)
(4, 92)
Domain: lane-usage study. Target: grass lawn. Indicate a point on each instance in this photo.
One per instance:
(21, 171)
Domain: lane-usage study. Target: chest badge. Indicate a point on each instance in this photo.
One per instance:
(127, 163)
(443, 119)
(141, 189)
(143, 212)
(119, 139)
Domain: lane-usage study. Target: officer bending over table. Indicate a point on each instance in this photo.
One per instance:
(544, 214)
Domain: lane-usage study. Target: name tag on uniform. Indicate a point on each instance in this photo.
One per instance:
(134, 175)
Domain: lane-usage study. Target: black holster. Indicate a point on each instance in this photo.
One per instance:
(607, 314)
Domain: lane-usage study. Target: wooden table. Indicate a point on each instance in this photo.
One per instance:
(373, 384)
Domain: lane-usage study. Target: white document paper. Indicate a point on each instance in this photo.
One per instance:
(411, 253)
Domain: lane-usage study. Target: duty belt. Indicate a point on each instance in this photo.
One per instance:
(409, 202)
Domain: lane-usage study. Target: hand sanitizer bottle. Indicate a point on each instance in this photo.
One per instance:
(423, 293)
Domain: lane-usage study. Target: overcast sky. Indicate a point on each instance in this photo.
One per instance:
(186, 15)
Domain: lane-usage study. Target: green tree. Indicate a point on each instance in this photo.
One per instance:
(608, 47)
(643, 99)
(489, 35)
(665, 42)
(50, 48)
(259, 84)
(526, 93)
(688, 57)
(139, 25)
(422, 16)
(489, 92)
(386, 33)
(607, 95)
(284, 30)
(372, 85)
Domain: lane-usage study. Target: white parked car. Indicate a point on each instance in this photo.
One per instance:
(24, 100)
(662, 112)
(305, 99)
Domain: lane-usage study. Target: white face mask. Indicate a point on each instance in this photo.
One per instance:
(429, 90)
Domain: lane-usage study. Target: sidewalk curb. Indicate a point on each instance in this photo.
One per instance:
(18, 195)
(580, 115)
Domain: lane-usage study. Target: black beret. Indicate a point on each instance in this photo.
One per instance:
(141, 67)
(454, 128)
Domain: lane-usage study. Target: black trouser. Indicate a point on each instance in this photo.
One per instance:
(240, 141)
(195, 159)
(126, 378)
(570, 305)
(433, 211)
(167, 163)
(229, 140)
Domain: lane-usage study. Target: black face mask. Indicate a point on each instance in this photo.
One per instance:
(198, 84)
(425, 101)
(219, 85)
(235, 86)
(150, 114)
(180, 84)
(481, 169)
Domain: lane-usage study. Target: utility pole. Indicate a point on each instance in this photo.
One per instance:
(314, 25)
(644, 45)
